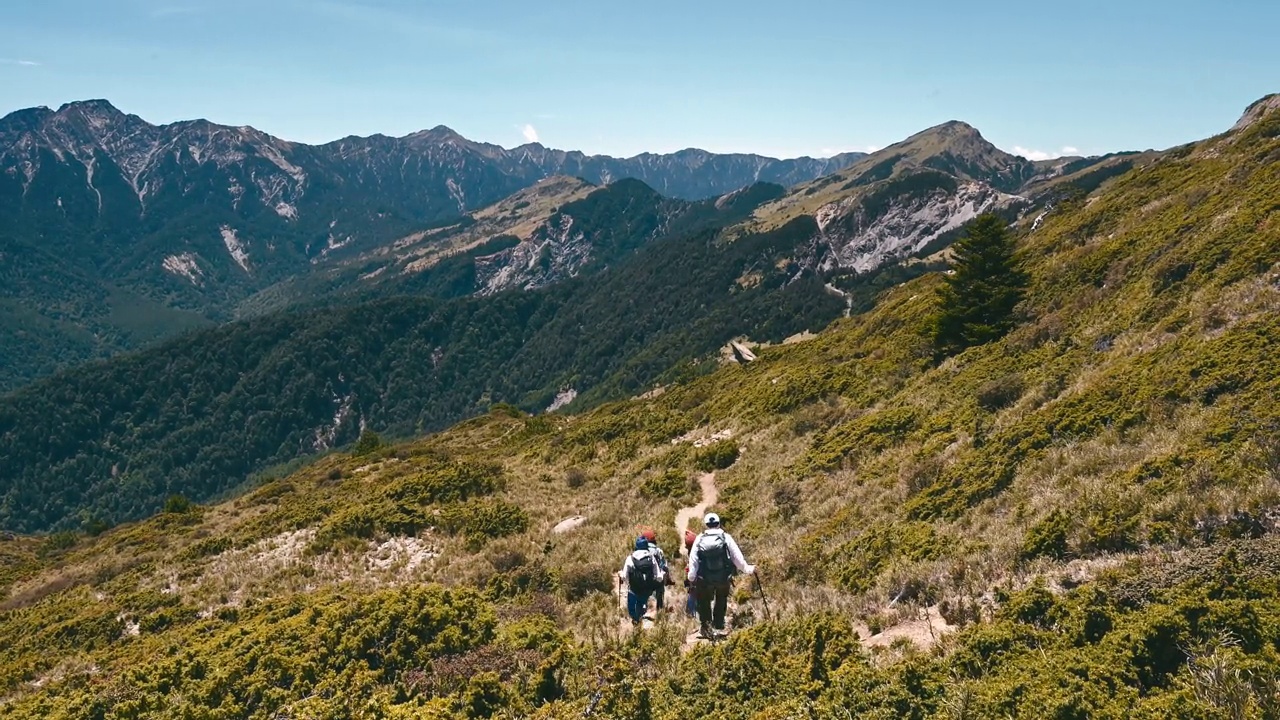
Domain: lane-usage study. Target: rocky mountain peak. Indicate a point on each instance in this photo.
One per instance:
(95, 106)
(439, 133)
(955, 137)
(1257, 111)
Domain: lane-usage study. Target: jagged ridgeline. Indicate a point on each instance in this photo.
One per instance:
(1075, 520)
(115, 232)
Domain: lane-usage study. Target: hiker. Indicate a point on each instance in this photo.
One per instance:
(712, 563)
(660, 594)
(691, 599)
(643, 576)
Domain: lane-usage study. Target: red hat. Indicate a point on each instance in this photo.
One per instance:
(689, 539)
(647, 533)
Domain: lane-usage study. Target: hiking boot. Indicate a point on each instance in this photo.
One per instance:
(705, 632)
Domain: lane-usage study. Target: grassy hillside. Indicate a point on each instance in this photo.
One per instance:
(1076, 521)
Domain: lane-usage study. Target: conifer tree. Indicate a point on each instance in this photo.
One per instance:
(976, 301)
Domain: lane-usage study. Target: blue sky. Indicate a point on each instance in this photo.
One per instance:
(780, 78)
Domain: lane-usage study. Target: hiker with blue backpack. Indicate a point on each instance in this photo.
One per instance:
(660, 594)
(713, 561)
(644, 577)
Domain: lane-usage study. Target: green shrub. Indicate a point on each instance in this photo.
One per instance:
(576, 477)
(1000, 393)
(177, 505)
(871, 433)
(363, 522)
(1047, 538)
(855, 564)
(1111, 529)
(369, 442)
(506, 410)
(57, 542)
(716, 456)
(533, 578)
(669, 484)
(451, 483)
(207, 548)
(579, 581)
(480, 520)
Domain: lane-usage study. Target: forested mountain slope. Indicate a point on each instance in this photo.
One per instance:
(1084, 509)
(197, 415)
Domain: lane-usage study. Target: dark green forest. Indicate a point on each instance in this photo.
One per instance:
(196, 416)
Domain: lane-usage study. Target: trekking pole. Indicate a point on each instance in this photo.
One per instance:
(767, 615)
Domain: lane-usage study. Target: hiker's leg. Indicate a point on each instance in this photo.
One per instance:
(703, 598)
(634, 607)
(721, 591)
(660, 595)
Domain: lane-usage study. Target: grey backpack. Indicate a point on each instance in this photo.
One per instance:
(713, 558)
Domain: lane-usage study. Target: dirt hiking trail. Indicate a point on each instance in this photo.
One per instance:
(707, 483)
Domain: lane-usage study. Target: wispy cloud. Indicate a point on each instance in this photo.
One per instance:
(530, 133)
(20, 63)
(832, 151)
(1031, 154)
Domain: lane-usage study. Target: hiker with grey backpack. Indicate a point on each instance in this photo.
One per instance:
(713, 561)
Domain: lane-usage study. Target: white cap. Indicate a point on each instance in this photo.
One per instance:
(711, 519)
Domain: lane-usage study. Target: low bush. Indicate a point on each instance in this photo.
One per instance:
(1047, 538)
(450, 483)
(579, 581)
(1000, 393)
(669, 484)
(716, 456)
(481, 520)
(576, 477)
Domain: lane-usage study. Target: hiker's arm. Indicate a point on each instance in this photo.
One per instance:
(693, 563)
(735, 553)
(625, 567)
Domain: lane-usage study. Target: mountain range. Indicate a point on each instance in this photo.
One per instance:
(166, 227)
(621, 286)
(1077, 516)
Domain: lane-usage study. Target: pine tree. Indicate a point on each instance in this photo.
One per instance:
(977, 300)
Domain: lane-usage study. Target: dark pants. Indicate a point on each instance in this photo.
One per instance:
(660, 595)
(713, 600)
(637, 604)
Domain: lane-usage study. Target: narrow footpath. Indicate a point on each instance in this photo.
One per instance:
(676, 595)
(707, 483)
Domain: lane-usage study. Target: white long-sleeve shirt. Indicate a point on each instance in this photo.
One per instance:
(658, 575)
(735, 553)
